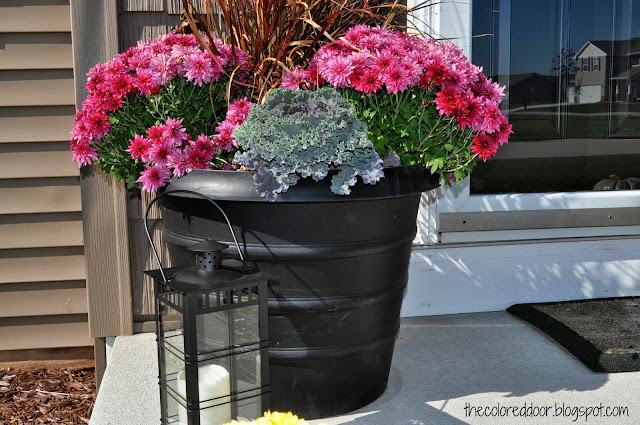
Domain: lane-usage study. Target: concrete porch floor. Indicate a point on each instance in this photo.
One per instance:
(446, 370)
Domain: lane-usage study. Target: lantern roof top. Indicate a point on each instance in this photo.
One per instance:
(208, 245)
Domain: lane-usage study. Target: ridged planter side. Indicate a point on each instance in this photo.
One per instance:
(339, 267)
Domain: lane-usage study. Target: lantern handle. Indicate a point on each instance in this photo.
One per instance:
(162, 195)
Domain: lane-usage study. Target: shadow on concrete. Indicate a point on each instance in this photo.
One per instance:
(443, 358)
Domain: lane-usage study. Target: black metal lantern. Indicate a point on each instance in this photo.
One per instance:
(211, 321)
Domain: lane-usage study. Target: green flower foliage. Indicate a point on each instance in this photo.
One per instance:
(408, 125)
(297, 134)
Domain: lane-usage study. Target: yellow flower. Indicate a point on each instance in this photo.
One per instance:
(273, 418)
(278, 418)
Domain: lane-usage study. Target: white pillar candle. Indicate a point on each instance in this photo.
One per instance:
(213, 382)
(258, 370)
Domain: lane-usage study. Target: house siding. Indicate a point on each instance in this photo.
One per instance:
(43, 304)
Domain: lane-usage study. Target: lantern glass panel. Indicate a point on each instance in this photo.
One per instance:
(173, 366)
(230, 327)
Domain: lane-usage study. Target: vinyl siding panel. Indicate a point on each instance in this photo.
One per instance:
(34, 16)
(36, 124)
(37, 88)
(40, 199)
(47, 268)
(22, 165)
(45, 234)
(36, 51)
(43, 299)
(44, 332)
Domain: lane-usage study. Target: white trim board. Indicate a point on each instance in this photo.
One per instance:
(466, 279)
(538, 234)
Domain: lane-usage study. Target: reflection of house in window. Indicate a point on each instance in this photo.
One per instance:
(610, 71)
(532, 88)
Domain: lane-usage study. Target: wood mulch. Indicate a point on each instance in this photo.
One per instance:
(46, 396)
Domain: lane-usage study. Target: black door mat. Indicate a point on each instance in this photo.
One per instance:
(604, 334)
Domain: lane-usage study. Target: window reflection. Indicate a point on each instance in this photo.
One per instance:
(572, 70)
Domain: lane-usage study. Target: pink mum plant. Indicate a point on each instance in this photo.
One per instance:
(423, 101)
(151, 113)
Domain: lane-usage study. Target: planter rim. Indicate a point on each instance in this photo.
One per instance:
(232, 185)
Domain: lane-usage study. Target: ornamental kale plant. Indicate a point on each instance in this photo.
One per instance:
(422, 100)
(304, 134)
(152, 111)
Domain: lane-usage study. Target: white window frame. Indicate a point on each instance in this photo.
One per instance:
(596, 63)
(451, 19)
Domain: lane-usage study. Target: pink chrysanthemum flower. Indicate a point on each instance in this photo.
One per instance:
(312, 74)
(179, 163)
(203, 143)
(112, 103)
(483, 87)
(139, 60)
(153, 177)
(116, 67)
(121, 84)
(436, 73)
(181, 51)
(383, 61)
(337, 71)
(139, 148)
(174, 132)
(362, 60)
(224, 140)
(164, 68)
(485, 146)
(145, 81)
(468, 112)
(96, 77)
(98, 124)
(156, 134)
(217, 63)
(371, 42)
(355, 34)
(396, 79)
(492, 117)
(368, 82)
(159, 153)
(504, 130)
(226, 128)
(447, 101)
(198, 69)
(238, 111)
(81, 129)
(199, 160)
(455, 77)
(84, 153)
(293, 79)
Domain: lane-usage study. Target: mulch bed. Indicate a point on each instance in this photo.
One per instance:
(602, 333)
(46, 396)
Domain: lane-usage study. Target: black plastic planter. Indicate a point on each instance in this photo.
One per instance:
(339, 267)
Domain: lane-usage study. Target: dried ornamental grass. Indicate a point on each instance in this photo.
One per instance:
(281, 34)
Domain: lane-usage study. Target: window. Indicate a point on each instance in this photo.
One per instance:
(571, 129)
(585, 64)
